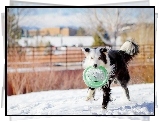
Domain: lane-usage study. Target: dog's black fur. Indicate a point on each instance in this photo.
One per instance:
(120, 60)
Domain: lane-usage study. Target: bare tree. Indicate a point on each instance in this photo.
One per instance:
(111, 19)
(14, 16)
(116, 21)
(145, 26)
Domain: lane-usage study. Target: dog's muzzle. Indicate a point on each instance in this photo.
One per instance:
(95, 65)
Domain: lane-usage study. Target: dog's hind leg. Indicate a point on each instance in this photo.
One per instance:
(124, 86)
(124, 78)
(91, 94)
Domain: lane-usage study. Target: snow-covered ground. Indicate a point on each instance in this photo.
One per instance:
(72, 102)
(62, 66)
(60, 41)
(56, 41)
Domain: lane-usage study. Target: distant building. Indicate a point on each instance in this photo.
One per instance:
(49, 32)
(53, 32)
(72, 32)
(64, 31)
(25, 31)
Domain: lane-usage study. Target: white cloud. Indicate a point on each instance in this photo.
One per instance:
(56, 19)
(52, 20)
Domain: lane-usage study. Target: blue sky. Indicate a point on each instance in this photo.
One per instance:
(76, 17)
(62, 11)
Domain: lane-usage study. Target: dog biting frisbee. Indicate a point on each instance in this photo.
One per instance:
(95, 77)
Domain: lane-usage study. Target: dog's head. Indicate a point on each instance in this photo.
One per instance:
(95, 56)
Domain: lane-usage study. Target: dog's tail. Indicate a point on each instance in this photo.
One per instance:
(129, 50)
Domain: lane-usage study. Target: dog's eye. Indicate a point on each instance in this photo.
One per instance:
(91, 58)
(99, 58)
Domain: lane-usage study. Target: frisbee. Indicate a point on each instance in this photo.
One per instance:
(95, 77)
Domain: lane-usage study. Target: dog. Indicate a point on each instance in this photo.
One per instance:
(116, 63)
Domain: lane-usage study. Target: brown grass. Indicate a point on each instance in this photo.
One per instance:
(141, 74)
(143, 34)
(21, 83)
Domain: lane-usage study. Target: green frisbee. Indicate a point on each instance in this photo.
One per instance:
(95, 77)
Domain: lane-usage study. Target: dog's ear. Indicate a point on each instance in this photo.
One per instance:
(105, 50)
(85, 51)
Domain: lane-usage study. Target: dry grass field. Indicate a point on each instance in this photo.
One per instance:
(21, 83)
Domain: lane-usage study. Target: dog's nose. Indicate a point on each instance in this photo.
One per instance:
(95, 65)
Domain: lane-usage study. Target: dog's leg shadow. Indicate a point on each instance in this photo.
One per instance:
(104, 111)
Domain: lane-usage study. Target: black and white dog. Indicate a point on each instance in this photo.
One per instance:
(115, 61)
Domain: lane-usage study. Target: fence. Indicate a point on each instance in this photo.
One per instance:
(145, 56)
(65, 57)
(33, 69)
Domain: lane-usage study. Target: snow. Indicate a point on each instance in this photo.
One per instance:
(62, 41)
(72, 102)
(57, 67)
(57, 41)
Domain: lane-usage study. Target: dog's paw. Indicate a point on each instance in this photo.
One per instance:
(90, 99)
(103, 111)
(87, 98)
(104, 107)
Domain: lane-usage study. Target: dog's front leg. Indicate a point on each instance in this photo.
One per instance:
(91, 94)
(106, 96)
